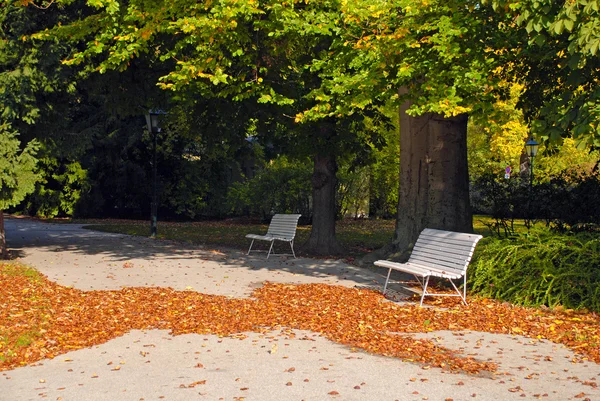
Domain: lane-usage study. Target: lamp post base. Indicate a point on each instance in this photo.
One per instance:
(153, 220)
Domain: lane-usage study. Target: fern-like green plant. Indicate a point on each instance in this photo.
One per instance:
(540, 268)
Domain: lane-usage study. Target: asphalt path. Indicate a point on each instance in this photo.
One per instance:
(280, 365)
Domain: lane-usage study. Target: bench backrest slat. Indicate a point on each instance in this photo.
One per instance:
(439, 259)
(451, 246)
(284, 225)
(444, 249)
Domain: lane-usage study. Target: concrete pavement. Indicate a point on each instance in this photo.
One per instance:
(280, 365)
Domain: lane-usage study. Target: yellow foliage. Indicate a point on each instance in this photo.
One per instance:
(567, 159)
(452, 110)
(507, 141)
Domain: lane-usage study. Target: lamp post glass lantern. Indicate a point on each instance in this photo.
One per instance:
(531, 147)
(152, 120)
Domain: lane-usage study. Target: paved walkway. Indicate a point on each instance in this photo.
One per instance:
(282, 365)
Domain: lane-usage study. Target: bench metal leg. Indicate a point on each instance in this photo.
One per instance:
(270, 249)
(386, 281)
(463, 296)
(252, 243)
(292, 246)
(425, 284)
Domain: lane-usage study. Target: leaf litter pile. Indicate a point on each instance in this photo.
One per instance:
(41, 319)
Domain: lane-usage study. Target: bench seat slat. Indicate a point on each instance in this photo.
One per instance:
(268, 237)
(419, 270)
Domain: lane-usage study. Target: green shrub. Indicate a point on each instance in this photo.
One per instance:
(59, 189)
(282, 187)
(540, 268)
(566, 202)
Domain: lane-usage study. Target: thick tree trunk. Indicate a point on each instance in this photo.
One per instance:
(434, 179)
(322, 239)
(3, 249)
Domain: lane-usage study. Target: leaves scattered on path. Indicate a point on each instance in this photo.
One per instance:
(41, 319)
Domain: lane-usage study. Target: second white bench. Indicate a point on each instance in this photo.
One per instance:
(282, 228)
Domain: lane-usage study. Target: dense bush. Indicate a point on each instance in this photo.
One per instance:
(281, 187)
(499, 199)
(352, 193)
(567, 202)
(59, 189)
(540, 268)
(570, 202)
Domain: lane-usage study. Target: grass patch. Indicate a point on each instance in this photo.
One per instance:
(358, 237)
(14, 269)
(482, 225)
(27, 338)
(23, 309)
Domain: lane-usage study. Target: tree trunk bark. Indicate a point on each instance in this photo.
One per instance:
(322, 239)
(3, 249)
(434, 178)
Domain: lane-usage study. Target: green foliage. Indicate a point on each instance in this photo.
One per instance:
(32, 77)
(555, 53)
(281, 187)
(497, 140)
(383, 186)
(352, 193)
(18, 173)
(59, 189)
(540, 268)
(384, 172)
(331, 62)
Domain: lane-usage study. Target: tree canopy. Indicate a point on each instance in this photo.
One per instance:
(553, 52)
(347, 56)
(314, 76)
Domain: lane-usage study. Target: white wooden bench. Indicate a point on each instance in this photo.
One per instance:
(437, 253)
(282, 228)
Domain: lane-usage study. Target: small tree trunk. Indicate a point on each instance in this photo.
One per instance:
(373, 206)
(434, 179)
(322, 239)
(3, 249)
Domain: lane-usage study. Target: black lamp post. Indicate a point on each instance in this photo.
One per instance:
(531, 148)
(152, 119)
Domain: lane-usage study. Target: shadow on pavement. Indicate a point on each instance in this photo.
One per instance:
(23, 235)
